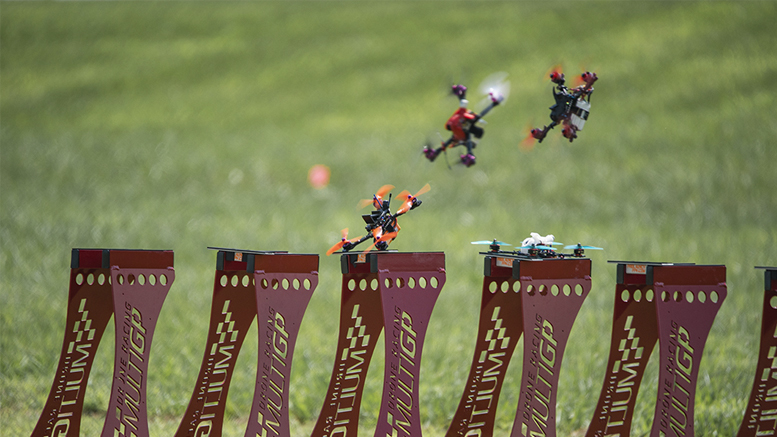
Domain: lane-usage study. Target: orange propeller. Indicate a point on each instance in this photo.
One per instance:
(404, 197)
(385, 237)
(527, 145)
(555, 70)
(382, 191)
(408, 199)
(341, 243)
(579, 78)
(578, 81)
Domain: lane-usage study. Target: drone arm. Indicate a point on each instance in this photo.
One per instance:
(588, 93)
(351, 244)
(486, 110)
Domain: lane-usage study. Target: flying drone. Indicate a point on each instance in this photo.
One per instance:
(571, 108)
(463, 123)
(382, 226)
(537, 246)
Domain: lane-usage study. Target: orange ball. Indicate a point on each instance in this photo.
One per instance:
(318, 176)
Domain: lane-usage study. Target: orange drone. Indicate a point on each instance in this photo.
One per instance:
(382, 225)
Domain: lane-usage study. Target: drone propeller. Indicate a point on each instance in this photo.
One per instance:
(494, 245)
(384, 237)
(494, 242)
(407, 203)
(382, 191)
(585, 80)
(496, 87)
(588, 78)
(405, 197)
(578, 80)
(537, 246)
(579, 246)
(528, 142)
(555, 73)
(342, 242)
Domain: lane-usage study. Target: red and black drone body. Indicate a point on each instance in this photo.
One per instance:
(571, 108)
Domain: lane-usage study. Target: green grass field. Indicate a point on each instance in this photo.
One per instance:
(182, 125)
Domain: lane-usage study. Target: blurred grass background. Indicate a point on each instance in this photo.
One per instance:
(182, 125)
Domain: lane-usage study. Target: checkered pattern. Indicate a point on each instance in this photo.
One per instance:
(81, 327)
(227, 327)
(356, 332)
(626, 348)
(495, 336)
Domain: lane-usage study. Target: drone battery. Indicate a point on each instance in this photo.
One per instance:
(580, 113)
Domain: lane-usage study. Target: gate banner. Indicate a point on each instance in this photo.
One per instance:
(688, 298)
(761, 413)
(634, 335)
(395, 290)
(410, 284)
(284, 286)
(553, 290)
(361, 322)
(140, 281)
(132, 284)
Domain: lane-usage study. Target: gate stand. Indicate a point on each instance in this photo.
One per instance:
(761, 413)
(499, 329)
(278, 287)
(284, 285)
(381, 289)
(132, 284)
(686, 298)
(553, 290)
(634, 336)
